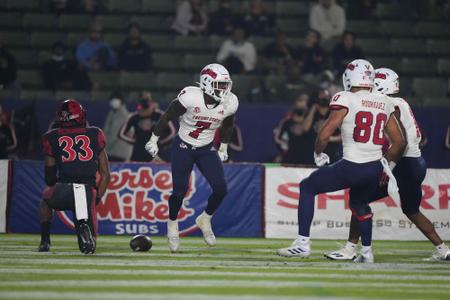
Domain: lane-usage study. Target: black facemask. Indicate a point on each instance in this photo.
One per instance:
(299, 112)
(323, 102)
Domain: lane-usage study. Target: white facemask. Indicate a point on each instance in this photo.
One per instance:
(115, 103)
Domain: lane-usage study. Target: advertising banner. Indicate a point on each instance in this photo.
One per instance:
(332, 213)
(4, 164)
(137, 201)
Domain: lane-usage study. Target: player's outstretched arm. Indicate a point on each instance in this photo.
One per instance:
(50, 170)
(397, 138)
(104, 173)
(333, 122)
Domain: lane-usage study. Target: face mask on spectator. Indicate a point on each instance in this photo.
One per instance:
(115, 103)
(323, 101)
(57, 57)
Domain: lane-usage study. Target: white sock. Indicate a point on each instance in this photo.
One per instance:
(442, 248)
(366, 250)
(173, 225)
(350, 246)
(303, 239)
(206, 215)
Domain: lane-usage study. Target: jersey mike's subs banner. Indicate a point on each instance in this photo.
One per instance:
(332, 213)
(4, 182)
(137, 201)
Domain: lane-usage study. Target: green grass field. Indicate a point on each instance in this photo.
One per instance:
(236, 268)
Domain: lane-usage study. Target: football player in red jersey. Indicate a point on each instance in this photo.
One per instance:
(74, 153)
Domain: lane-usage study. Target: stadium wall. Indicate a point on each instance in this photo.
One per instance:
(262, 201)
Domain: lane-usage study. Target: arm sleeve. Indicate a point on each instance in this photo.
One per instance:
(101, 140)
(340, 100)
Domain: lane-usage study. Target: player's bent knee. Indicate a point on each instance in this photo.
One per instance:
(411, 214)
(220, 190)
(362, 213)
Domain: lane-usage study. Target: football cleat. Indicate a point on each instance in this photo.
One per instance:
(173, 236)
(204, 223)
(341, 254)
(88, 243)
(437, 256)
(297, 249)
(366, 258)
(44, 246)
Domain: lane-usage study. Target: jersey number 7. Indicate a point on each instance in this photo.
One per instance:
(363, 127)
(200, 127)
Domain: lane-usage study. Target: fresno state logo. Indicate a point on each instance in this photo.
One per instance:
(136, 202)
(196, 110)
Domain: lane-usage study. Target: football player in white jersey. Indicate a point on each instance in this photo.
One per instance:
(364, 118)
(201, 110)
(409, 172)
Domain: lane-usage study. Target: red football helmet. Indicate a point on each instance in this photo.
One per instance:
(71, 113)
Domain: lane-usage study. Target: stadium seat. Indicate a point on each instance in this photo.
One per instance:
(363, 28)
(25, 59)
(260, 42)
(242, 84)
(388, 11)
(75, 22)
(159, 42)
(37, 94)
(295, 8)
(167, 61)
(438, 47)
(408, 46)
(13, 39)
(137, 80)
(104, 80)
(418, 66)
(430, 87)
(436, 101)
(127, 6)
(114, 39)
(215, 42)
(385, 62)
(374, 46)
(195, 62)
(159, 6)
(191, 43)
(72, 94)
(43, 56)
(113, 23)
(11, 21)
(39, 21)
(174, 81)
(396, 28)
(30, 78)
(73, 39)
(292, 26)
(23, 5)
(432, 29)
(45, 40)
(406, 89)
(443, 66)
(152, 23)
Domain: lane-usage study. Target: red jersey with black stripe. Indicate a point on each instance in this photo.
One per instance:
(76, 151)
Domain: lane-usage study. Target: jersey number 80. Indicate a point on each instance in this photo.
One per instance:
(363, 127)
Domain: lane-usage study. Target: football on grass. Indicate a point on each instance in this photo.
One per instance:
(141, 242)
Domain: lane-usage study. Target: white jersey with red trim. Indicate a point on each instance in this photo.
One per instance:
(362, 130)
(413, 135)
(199, 122)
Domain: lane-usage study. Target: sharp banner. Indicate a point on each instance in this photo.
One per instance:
(136, 201)
(332, 213)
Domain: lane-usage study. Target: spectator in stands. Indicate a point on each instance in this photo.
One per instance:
(293, 135)
(237, 54)
(61, 72)
(224, 20)
(328, 18)
(118, 150)
(8, 67)
(95, 54)
(73, 6)
(8, 140)
(277, 55)
(134, 54)
(344, 52)
(257, 21)
(321, 110)
(191, 18)
(360, 9)
(327, 82)
(142, 122)
(311, 56)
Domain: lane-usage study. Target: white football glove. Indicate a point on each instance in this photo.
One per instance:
(321, 159)
(152, 145)
(223, 152)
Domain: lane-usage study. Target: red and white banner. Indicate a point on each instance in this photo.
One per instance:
(332, 213)
(4, 174)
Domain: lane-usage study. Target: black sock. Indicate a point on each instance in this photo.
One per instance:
(174, 206)
(45, 231)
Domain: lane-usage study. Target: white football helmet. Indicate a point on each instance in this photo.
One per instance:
(215, 81)
(386, 81)
(359, 73)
